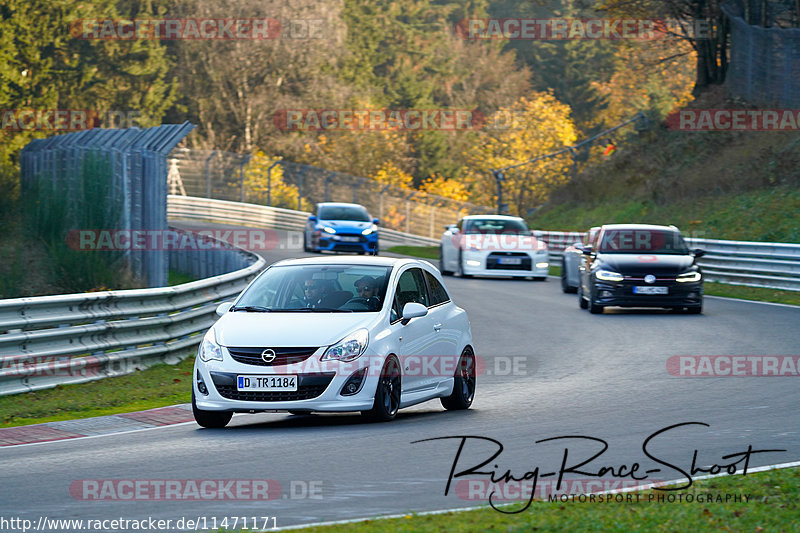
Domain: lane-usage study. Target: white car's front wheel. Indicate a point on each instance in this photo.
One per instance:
(210, 419)
(387, 395)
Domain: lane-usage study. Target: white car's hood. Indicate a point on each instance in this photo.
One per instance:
(243, 329)
(500, 243)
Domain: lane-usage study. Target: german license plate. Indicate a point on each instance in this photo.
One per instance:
(349, 239)
(651, 290)
(509, 260)
(262, 382)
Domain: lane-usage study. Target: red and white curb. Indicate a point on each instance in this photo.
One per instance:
(97, 426)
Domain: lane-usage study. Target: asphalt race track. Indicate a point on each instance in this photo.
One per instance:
(551, 370)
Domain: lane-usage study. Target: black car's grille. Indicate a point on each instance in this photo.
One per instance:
(309, 386)
(493, 263)
(283, 355)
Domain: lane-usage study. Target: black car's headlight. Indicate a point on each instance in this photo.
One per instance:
(607, 275)
(687, 277)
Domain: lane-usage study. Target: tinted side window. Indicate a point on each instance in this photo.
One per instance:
(438, 294)
(411, 288)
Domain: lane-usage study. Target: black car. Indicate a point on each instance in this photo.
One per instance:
(640, 265)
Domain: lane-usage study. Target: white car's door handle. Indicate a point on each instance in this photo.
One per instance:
(437, 327)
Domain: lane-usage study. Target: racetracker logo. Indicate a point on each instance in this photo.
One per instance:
(577, 29)
(713, 366)
(528, 489)
(414, 366)
(197, 29)
(735, 120)
(490, 241)
(196, 489)
(126, 240)
(378, 119)
(49, 119)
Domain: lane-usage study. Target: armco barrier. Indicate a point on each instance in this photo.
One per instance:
(261, 216)
(755, 264)
(72, 338)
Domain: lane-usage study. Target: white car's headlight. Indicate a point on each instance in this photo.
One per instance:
(209, 349)
(348, 348)
(689, 276)
(370, 230)
(328, 229)
(607, 275)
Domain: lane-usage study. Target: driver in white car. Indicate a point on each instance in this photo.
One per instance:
(367, 288)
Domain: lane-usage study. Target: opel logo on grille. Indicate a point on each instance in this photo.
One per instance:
(268, 355)
(649, 278)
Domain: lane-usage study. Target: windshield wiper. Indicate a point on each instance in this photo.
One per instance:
(252, 309)
(311, 310)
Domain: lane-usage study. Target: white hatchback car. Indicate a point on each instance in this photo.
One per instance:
(336, 334)
(493, 245)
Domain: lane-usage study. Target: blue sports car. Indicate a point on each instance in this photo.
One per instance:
(340, 227)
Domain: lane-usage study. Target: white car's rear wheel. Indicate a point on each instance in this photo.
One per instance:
(464, 385)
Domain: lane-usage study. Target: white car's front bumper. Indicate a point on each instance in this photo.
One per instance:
(330, 377)
(486, 263)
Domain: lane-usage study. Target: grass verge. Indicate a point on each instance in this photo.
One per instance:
(158, 386)
(773, 505)
(423, 252)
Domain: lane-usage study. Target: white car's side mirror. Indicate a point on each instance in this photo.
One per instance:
(224, 307)
(413, 310)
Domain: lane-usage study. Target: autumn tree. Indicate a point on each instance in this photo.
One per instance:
(539, 125)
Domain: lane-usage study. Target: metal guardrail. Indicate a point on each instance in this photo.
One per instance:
(47, 341)
(755, 264)
(262, 216)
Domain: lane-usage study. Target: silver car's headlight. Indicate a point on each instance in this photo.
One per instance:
(209, 349)
(607, 275)
(689, 277)
(349, 348)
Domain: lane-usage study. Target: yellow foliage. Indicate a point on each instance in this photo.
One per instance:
(389, 174)
(258, 179)
(448, 188)
(531, 127)
(654, 76)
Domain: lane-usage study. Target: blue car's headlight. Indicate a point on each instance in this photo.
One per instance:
(328, 229)
(369, 230)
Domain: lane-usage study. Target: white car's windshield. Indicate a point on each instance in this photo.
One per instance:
(317, 288)
(496, 226)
